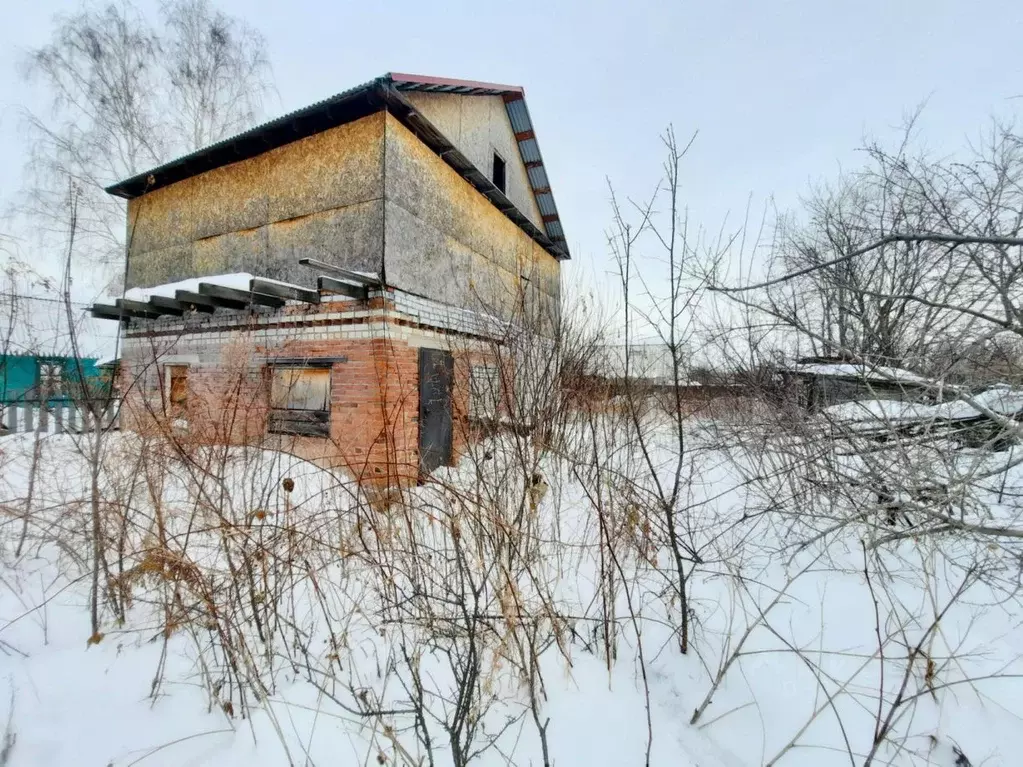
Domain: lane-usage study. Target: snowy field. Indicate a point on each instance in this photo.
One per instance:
(253, 609)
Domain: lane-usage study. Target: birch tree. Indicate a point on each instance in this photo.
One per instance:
(126, 94)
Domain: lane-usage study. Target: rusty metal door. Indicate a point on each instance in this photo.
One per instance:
(436, 369)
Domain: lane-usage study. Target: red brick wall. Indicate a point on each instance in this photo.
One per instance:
(374, 408)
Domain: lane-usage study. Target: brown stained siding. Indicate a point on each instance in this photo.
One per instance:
(446, 241)
(320, 196)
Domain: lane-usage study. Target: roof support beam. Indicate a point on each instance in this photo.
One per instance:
(330, 286)
(194, 301)
(149, 306)
(283, 291)
(108, 312)
(227, 298)
(168, 305)
(362, 279)
(138, 309)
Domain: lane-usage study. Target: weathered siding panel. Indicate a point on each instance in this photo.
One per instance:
(446, 241)
(319, 197)
(352, 236)
(479, 126)
(231, 252)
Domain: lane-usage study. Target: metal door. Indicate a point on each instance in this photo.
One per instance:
(436, 370)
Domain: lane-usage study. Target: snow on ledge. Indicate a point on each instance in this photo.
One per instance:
(237, 280)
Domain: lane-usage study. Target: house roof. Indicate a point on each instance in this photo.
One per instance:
(384, 92)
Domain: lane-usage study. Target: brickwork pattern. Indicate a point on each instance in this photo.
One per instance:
(374, 395)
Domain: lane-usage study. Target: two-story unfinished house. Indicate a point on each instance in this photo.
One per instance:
(327, 283)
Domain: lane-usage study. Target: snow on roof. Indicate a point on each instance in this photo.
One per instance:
(236, 280)
(874, 411)
(866, 372)
(1003, 400)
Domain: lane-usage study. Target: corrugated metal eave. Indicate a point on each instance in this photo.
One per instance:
(119, 189)
(539, 181)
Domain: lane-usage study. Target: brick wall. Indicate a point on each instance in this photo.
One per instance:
(374, 392)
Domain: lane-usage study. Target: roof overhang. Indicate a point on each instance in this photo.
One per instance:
(376, 95)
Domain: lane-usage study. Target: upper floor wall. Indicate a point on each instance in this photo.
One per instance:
(479, 128)
(319, 197)
(368, 195)
(446, 241)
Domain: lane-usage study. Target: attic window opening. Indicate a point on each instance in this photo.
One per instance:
(499, 172)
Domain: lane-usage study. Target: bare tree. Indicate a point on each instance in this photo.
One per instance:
(867, 304)
(126, 95)
(218, 69)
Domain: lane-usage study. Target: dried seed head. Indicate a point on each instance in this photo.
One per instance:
(288, 484)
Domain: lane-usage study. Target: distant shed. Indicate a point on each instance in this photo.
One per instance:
(820, 382)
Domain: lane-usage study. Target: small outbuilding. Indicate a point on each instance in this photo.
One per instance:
(816, 383)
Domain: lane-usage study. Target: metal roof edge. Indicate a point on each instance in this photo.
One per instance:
(381, 93)
(124, 187)
(539, 182)
(450, 82)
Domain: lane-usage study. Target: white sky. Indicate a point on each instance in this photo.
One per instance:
(781, 92)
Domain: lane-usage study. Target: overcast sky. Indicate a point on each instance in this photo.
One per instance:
(782, 93)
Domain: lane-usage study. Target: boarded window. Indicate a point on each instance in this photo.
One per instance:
(484, 391)
(177, 389)
(499, 172)
(300, 401)
(51, 379)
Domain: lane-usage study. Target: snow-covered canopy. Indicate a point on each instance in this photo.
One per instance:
(236, 280)
(870, 373)
(1003, 400)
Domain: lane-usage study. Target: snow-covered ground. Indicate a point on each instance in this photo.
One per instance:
(264, 625)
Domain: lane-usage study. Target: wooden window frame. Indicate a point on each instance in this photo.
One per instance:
(299, 422)
(485, 405)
